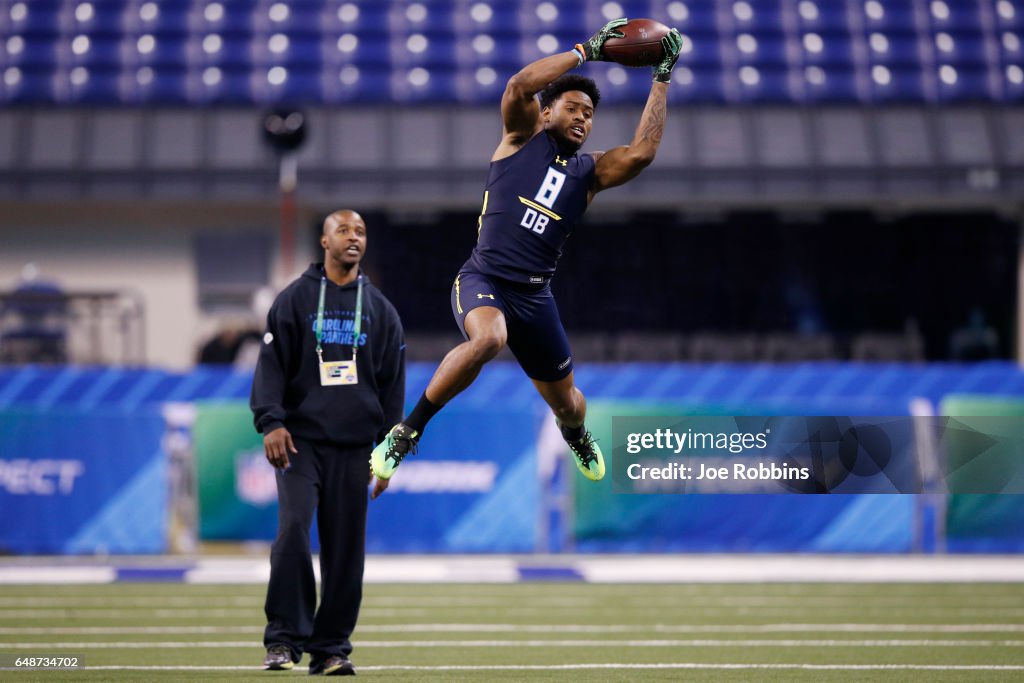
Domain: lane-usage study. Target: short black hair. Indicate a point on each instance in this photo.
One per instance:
(568, 82)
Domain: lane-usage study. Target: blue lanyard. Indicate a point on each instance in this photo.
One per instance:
(357, 329)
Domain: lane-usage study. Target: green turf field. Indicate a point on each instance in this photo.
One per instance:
(541, 631)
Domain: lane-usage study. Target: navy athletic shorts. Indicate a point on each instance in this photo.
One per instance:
(535, 333)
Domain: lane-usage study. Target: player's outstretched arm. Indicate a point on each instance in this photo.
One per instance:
(520, 110)
(622, 164)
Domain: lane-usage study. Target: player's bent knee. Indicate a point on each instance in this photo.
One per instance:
(487, 347)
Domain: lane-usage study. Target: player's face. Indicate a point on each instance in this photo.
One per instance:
(344, 238)
(570, 117)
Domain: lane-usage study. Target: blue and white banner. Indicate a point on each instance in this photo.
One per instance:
(82, 481)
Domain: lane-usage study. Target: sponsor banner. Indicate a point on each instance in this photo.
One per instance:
(237, 492)
(471, 488)
(82, 481)
(851, 454)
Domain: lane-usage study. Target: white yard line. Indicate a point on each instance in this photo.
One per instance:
(624, 666)
(613, 643)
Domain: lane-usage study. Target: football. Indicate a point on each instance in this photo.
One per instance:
(641, 46)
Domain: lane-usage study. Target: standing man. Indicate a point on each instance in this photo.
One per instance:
(330, 378)
(538, 187)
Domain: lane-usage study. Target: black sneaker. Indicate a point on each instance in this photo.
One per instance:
(279, 658)
(389, 453)
(335, 665)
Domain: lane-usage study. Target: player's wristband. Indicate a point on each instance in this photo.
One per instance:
(580, 53)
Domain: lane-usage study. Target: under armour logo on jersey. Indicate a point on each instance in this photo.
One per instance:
(485, 296)
(560, 160)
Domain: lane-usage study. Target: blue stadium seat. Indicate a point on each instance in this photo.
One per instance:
(759, 84)
(213, 85)
(482, 85)
(754, 15)
(346, 16)
(421, 85)
(493, 17)
(351, 83)
(700, 50)
(954, 15)
(768, 50)
(820, 16)
(564, 17)
(828, 84)
(83, 85)
(95, 17)
(533, 46)
(896, 84)
(299, 85)
(1009, 14)
(887, 16)
(27, 86)
(598, 12)
(960, 49)
(30, 17)
(167, 50)
(893, 49)
(697, 85)
(421, 49)
(90, 51)
(1011, 79)
(421, 16)
(352, 48)
(227, 52)
(691, 16)
(158, 86)
(833, 49)
(620, 84)
(484, 49)
(27, 52)
(224, 17)
(293, 16)
(962, 84)
(300, 50)
(157, 18)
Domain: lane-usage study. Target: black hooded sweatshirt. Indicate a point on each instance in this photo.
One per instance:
(286, 390)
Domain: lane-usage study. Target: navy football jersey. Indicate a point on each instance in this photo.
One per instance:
(532, 201)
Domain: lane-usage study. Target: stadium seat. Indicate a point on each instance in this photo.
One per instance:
(959, 83)
(27, 86)
(760, 16)
(166, 50)
(893, 50)
(230, 52)
(482, 85)
(156, 18)
(895, 84)
(27, 52)
(697, 16)
(422, 85)
(620, 84)
(820, 16)
(954, 15)
(829, 49)
(302, 50)
(223, 17)
(753, 84)
(94, 17)
(1009, 15)
(485, 49)
(420, 17)
(347, 16)
(92, 52)
(494, 17)
(959, 49)
(85, 85)
(826, 84)
(156, 85)
(421, 49)
(887, 16)
(30, 17)
(566, 18)
(215, 85)
(353, 83)
(701, 50)
(350, 48)
(760, 50)
(291, 16)
(293, 85)
(696, 85)
(597, 13)
(536, 46)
